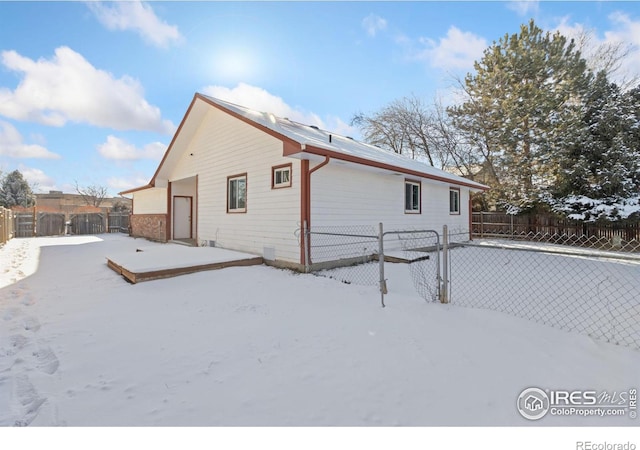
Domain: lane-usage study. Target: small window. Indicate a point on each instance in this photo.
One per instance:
(412, 197)
(454, 201)
(281, 176)
(237, 193)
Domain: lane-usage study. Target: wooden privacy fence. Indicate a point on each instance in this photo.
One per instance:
(503, 225)
(40, 223)
(24, 224)
(6, 225)
(90, 223)
(118, 222)
(50, 224)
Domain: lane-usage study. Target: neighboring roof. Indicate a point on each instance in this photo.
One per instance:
(312, 140)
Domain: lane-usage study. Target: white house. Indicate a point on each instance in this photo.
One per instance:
(247, 181)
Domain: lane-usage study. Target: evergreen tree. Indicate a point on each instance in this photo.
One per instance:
(520, 102)
(15, 191)
(602, 163)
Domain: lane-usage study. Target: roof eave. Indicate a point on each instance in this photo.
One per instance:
(316, 150)
(136, 189)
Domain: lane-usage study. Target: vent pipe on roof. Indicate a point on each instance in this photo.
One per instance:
(329, 139)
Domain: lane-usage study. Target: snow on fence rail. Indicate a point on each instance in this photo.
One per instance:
(621, 235)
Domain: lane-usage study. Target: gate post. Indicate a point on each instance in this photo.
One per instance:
(444, 292)
(383, 282)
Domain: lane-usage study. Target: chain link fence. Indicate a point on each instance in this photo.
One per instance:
(590, 287)
(348, 254)
(356, 255)
(578, 289)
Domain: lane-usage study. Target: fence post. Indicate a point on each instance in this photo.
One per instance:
(511, 224)
(444, 292)
(383, 282)
(305, 243)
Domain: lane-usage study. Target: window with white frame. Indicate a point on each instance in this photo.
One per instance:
(237, 193)
(412, 196)
(454, 201)
(281, 176)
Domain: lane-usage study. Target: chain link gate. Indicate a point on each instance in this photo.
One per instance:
(421, 251)
(357, 254)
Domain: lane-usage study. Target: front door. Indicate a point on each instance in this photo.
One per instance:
(182, 217)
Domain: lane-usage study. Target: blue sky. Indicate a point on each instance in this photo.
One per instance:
(93, 91)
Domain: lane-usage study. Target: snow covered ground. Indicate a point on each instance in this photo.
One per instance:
(261, 346)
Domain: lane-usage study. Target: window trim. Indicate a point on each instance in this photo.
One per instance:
(274, 169)
(246, 184)
(413, 183)
(451, 211)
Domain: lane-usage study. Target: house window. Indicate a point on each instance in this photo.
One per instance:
(281, 176)
(454, 201)
(237, 193)
(412, 196)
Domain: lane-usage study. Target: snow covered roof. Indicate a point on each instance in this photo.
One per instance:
(317, 141)
(309, 140)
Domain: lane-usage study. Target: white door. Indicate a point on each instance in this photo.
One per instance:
(182, 218)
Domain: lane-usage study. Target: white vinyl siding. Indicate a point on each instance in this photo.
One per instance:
(224, 146)
(342, 196)
(150, 201)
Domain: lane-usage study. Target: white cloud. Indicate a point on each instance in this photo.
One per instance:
(457, 50)
(118, 184)
(37, 179)
(624, 33)
(68, 88)
(372, 24)
(524, 7)
(12, 144)
(259, 99)
(627, 32)
(136, 16)
(116, 148)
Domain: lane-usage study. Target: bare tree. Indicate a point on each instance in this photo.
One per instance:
(607, 56)
(406, 126)
(92, 195)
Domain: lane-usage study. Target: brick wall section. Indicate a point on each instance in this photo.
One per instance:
(150, 226)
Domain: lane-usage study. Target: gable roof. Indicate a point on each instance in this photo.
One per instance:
(302, 140)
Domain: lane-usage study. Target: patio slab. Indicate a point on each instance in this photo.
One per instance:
(170, 260)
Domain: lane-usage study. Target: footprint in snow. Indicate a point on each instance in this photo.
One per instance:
(11, 313)
(17, 342)
(47, 360)
(27, 300)
(29, 401)
(30, 323)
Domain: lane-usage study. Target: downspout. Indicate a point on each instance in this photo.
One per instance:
(169, 220)
(306, 208)
(470, 215)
